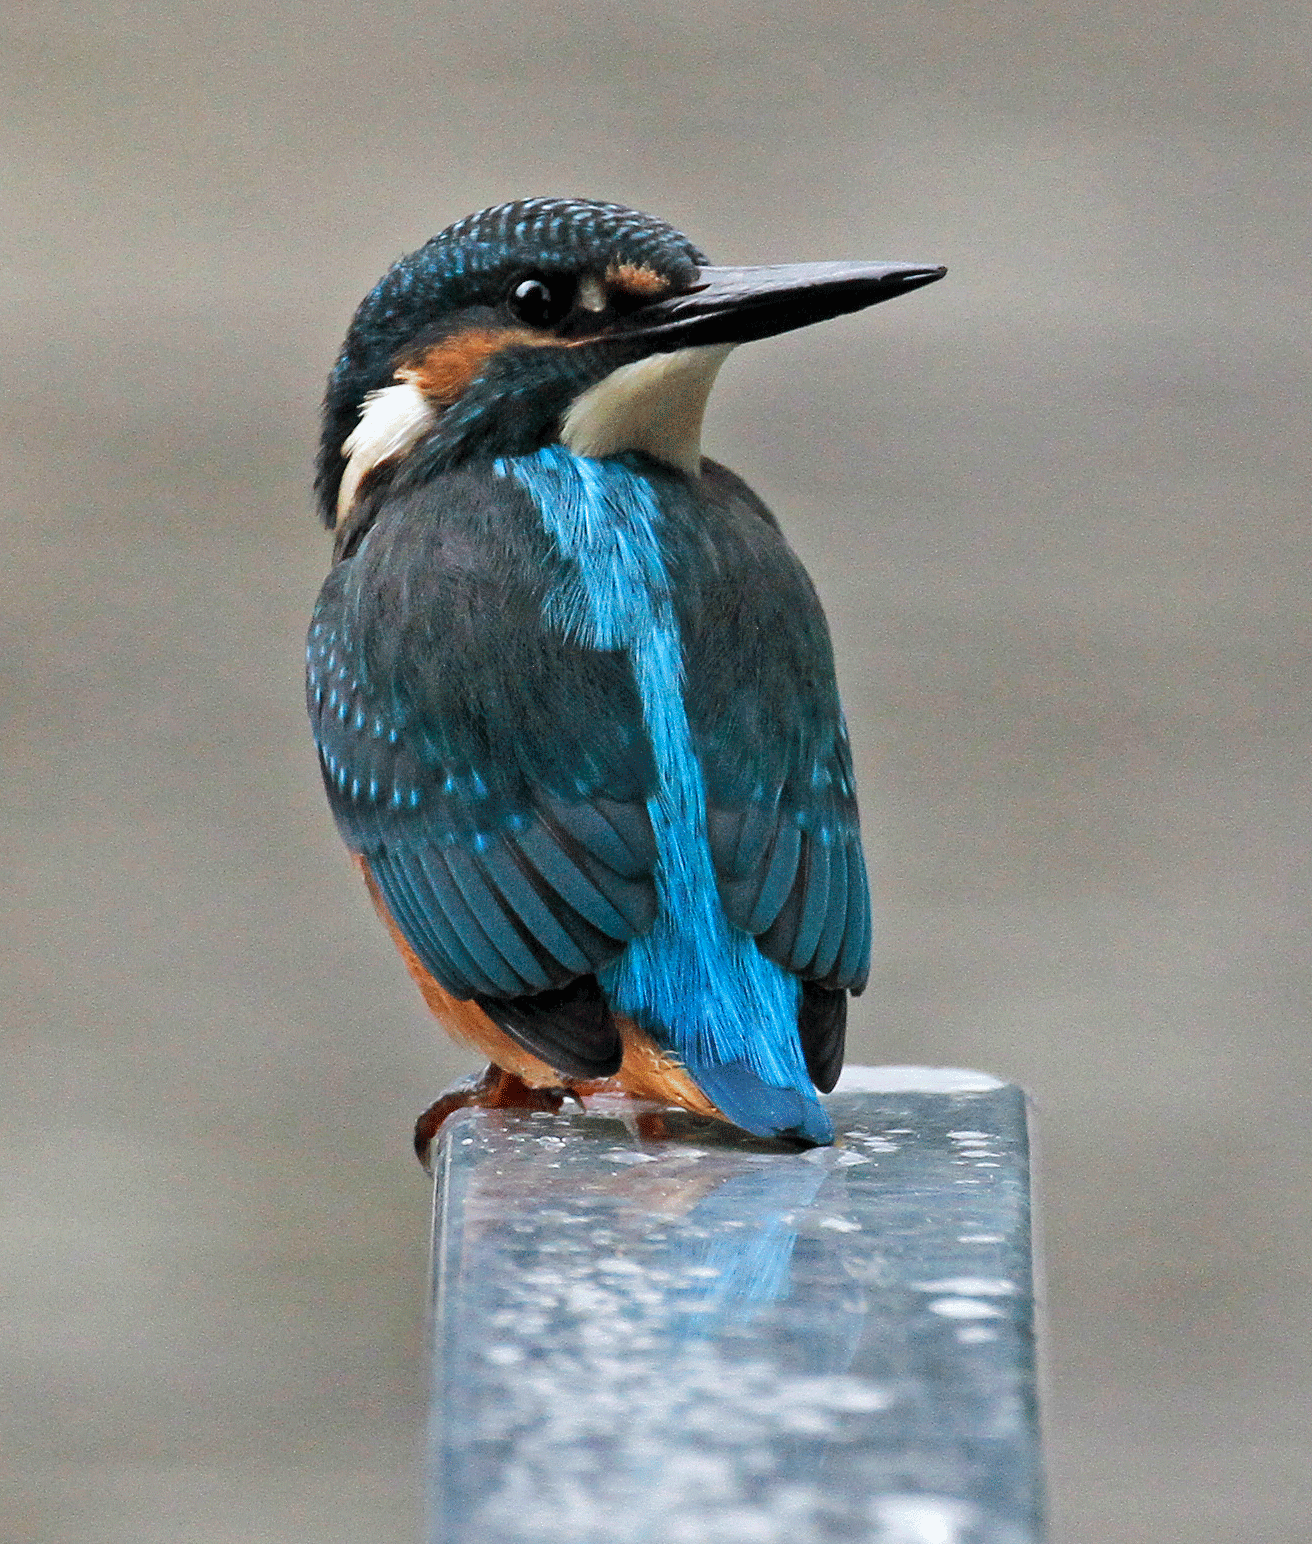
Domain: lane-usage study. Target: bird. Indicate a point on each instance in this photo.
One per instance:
(573, 695)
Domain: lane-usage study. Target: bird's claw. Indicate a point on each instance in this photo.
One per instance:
(493, 1089)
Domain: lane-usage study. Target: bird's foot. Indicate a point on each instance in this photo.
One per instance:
(493, 1089)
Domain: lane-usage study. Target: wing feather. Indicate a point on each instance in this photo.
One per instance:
(456, 729)
(763, 704)
(495, 920)
(822, 1026)
(541, 846)
(779, 872)
(588, 826)
(434, 881)
(815, 903)
(632, 824)
(854, 958)
(425, 927)
(835, 913)
(542, 924)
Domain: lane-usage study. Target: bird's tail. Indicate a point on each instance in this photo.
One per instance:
(744, 1097)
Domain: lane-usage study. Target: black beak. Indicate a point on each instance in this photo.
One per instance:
(739, 305)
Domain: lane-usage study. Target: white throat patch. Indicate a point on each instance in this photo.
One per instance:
(654, 405)
(391, 421)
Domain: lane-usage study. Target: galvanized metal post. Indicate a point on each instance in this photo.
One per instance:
(698, 1338)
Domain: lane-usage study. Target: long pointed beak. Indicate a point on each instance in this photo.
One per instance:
(739, 305)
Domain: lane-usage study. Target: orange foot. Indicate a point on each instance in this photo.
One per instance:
(493, 1089)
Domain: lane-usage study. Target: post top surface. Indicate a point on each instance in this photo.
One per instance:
(701, 1337)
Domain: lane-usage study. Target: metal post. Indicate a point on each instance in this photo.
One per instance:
(701, 1339)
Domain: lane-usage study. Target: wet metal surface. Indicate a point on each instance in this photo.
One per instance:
(699, 1339)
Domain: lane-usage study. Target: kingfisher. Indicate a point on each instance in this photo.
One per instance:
(572, 692)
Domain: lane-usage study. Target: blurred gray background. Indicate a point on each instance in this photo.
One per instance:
(1056, 508)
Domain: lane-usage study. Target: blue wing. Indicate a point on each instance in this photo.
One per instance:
(792, 873)
(493, 776)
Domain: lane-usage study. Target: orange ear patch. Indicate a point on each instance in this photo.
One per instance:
(636, 280)
(448, 369)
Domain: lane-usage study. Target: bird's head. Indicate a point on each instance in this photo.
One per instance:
(556, 320)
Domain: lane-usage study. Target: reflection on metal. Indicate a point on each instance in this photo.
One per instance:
(697, 1338)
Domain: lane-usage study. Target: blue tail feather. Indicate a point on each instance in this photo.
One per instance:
(763, 1110)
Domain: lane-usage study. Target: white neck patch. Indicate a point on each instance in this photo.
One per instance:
(391, 421)
(655, 405)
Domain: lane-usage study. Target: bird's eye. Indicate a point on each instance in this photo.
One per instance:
(542, 302)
